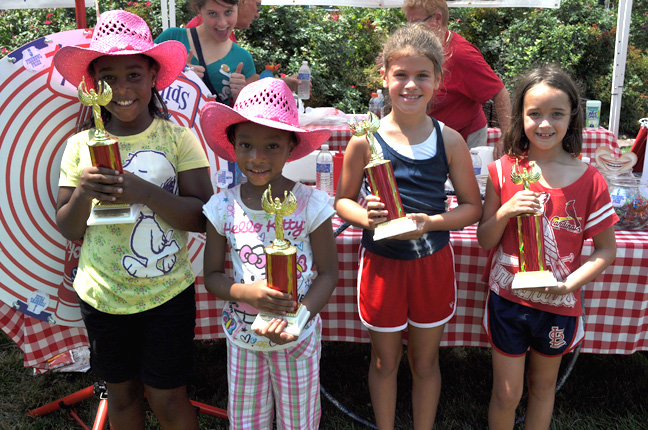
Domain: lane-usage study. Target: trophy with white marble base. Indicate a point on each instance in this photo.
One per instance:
(530, 237)
(281, 265)
(104, 152)
(383, 184)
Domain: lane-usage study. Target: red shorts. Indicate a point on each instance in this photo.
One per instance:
(394, 293)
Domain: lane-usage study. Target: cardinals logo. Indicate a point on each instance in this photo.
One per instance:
(570, 222)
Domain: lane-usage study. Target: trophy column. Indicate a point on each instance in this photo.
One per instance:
(383, 184)
(104, 152)
(530, 238)
(281, 265)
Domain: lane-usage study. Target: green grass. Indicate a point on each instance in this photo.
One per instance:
(602, 392)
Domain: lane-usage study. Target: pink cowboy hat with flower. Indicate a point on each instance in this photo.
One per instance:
(121, 33)
(267, 102)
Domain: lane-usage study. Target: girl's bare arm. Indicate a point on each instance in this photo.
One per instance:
(604, 254)
(356, 157)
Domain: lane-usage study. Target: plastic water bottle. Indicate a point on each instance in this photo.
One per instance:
(373, 105)
(381, 104)
(324, 169)
(476, 162)
(304, 76)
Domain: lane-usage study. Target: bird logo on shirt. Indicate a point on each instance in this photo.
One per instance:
(571, 222)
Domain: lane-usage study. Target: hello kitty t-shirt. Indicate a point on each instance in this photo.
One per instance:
(248, 232)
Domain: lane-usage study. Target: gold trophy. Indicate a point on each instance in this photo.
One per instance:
(383, 184)
(281, 264)
(104, 152)
(532, 273)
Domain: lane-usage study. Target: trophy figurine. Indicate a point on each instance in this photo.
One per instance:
(281, 264)
(530, 237)
(104, 152)
(383, 184)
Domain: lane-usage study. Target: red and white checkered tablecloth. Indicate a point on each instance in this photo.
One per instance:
(592, 139)
(616, 304)
(39, 340)
(340, 136)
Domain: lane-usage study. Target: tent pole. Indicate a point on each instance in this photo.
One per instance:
(172, 13)
(620, 54)
(79, 6)
(168, 13)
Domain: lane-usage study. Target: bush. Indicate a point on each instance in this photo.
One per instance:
(340, 46)
(21, 26)
(580, 36)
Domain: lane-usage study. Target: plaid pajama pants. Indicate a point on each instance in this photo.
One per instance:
(288, 378)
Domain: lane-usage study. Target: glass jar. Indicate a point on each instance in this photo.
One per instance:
(630, 201)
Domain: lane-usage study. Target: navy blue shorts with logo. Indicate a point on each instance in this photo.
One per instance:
(155, 345)
(513, 329)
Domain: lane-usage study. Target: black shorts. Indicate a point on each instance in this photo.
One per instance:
(155, 345)
(513, 329)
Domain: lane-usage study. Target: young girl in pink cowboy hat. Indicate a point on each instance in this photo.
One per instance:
(268, 366)
(134, 280)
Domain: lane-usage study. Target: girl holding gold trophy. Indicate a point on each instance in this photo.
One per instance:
(279, 236)
(135, 284)
(407, 281)
(540, 179)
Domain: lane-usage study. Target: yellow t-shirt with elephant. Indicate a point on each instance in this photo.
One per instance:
(129, 268)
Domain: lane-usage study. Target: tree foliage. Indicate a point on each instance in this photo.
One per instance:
(340, 46)
(579, 36)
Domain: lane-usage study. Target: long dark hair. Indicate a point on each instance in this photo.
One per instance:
(515, 140)
(156, 107)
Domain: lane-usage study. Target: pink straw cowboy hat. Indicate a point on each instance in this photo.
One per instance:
(121, 33)
(267, 102)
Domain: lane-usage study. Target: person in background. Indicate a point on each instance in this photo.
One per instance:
(248, 11)
(134, 283)
(535, 327)
(468, 81)
(408, 282)
(224, 66)
(269, 370)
